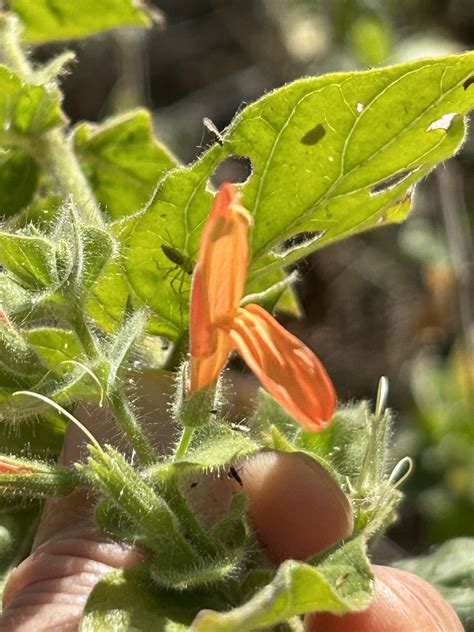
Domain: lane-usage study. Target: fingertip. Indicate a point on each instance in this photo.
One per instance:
(403, 602)
(296, 507)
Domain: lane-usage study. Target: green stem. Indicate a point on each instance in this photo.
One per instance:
(53, 150)
(188, 519)
(184, 442)
(11, 53)
(85, 335)
(55, 154)
(131, 428)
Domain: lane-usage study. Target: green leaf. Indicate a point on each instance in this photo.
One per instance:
(97, 248)
(31, 259)
(215, 445)
(450, 568)
(275, 292)
(107, 302)
(339, 582)
(317, 168)
(16, 355)
(128, 600)
(18, 181)
(123, 161)
(328, 122)
(173, 219)
(55, 346)
(41, 436)
(25, 109)
(371, 39)
(50, 20)
(13, 297)
(18, 523)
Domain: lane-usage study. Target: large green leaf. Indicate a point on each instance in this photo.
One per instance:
(450, 568)
(338, 582)
(123, 161)
(49, 20)
(18, 180)
(25, 109)
(331, 156)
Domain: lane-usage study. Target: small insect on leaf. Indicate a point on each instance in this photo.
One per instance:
(177, 257)
(340, 580)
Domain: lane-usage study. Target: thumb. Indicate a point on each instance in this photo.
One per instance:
(403, 603)
(297, 509)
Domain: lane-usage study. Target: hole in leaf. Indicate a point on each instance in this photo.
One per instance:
(390, 183)
(314, 135)
(360, 107)
(302, 240)
(444, 122)
(235, 169)
(468, 82)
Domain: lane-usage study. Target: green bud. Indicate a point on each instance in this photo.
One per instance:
(35, 479)
(197, 409)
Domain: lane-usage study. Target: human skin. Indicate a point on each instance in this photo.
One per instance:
(296, 509)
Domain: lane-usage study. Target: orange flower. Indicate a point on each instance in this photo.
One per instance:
(287, 369)
(10, 468)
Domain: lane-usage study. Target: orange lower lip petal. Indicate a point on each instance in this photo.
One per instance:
(299, 382)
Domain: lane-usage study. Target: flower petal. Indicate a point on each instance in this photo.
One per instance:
(218, 285)
(205, 369)
(224, 253)
(287, 369)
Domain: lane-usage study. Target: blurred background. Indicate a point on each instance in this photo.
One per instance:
(397, 301)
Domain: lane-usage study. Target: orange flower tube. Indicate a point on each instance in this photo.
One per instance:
(11, 468)
(287, 369)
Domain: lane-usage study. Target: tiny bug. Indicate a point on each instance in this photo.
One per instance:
(182, 268)
(178, 258)
(232, 473)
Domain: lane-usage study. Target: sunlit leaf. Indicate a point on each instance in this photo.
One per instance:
(30, 258)
(331, 156)
(55, 346)
(25, 109)
(49, 20)
(18, 180)
(123, 161)
(339, 582)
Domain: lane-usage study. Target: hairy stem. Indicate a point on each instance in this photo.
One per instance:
(184, 442)
(56, 156)
(85, 335)
(129, 425)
